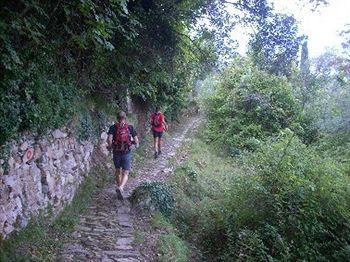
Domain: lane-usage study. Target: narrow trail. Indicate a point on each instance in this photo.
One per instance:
(106, 231)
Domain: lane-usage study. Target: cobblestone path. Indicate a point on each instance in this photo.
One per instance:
(105, 232)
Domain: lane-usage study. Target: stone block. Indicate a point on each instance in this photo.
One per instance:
(103, 149)
(57, 134)
(70, 178)
(50, 177)
(24, 146)
(69, 165)
(13, 183)
(37, 152)
(11, 163)
(57, 153)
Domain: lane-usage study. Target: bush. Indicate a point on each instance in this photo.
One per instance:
(44, 104)
(152, 196)
(200, 187)
(295, 204)
(285, 201)
(54, 56)
(249, 106)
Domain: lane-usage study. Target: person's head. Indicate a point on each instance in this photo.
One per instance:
(157, 109)
(121, 116)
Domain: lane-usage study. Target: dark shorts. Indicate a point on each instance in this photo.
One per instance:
(157, 134)
(122, 161)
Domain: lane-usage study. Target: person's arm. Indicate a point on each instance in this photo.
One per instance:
(136, 139)
(134, 136)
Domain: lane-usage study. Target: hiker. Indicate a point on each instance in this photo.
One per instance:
(158, 125)
(121, 136)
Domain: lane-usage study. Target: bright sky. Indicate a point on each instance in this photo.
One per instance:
(322, 26)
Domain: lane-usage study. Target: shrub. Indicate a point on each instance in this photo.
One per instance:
(285, 201)
(44, 103)
(153, 196)
(249, 106)
(294, 205)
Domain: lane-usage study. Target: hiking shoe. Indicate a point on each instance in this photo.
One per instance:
(155, 155)
(159, 152)
(119, 193)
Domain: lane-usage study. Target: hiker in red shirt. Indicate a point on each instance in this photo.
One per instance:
(158, 127)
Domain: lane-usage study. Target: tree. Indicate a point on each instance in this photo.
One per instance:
(274, 47)
(66, 50)
(304, 62)
(330, 105)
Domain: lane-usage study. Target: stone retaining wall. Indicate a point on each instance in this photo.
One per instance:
(42, 173)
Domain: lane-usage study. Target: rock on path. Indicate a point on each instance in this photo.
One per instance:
(105, 232)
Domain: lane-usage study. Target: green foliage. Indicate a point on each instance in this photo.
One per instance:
(286, 201)
(293, 201)
(86, 127)
(159, 194)
(275, 41)
(43, 104)
(57, 54)
(275, 46)
(341, 142)
(331, 95)
(200, 187)
(172, 248)
(35, 234)
(250, 105)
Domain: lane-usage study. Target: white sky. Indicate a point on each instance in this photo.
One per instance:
(322, 26)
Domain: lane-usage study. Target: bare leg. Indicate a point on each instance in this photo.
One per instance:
(156, 139)
(125, 177)
(118, 176)
(159, 144)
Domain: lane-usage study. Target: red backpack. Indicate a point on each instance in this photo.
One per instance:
(122, 140)
(157, 120)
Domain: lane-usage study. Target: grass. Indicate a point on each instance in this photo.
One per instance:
(44, 236)
(170, 247)
(219, 197)
(142, 154)
(160, 222)
(200, 185)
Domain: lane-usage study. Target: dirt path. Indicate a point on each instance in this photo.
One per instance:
(106, 231)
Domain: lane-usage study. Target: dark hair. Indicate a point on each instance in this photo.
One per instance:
(157, 108)
(121, 115)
